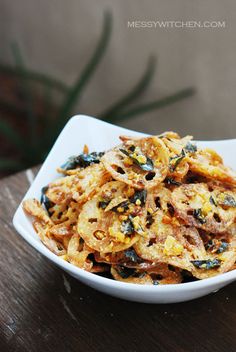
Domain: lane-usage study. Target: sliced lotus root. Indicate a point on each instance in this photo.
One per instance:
(178, 149)
(160, 274)
(165, 274)
(34, 208)
(141, 163)
(78, 253)
(170, 243)
(210, 208)
(208, 163)
(233, 267)
(127, 258)
(214, 265)
(218, 243)
(78, 187)
(183, 247)
(176, 145)
(129, 275)
(169, 135)
(59, 191)
(63, 213)
(49, 241)
(159, 198)
(220, 253)
(62, 230)
(115, 229)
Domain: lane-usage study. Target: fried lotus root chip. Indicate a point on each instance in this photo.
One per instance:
(183, 247)
(160, 274)
(115, 229)
(141, 163)
(220, 252)
(168, 243)
(233, 267)
(129, 275)
(61, 190)
(78, 253)
(54, 236)
(214, 265)
(159, 198)
(127, 258)
(205, 206)
(208, 163)
(165, 274)
(179, 149)
(50, 242)
(62, 230)
(34, 208)
(78, 187)
(63, 213)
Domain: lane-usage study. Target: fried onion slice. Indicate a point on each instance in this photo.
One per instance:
(205, 206)
(141, 163)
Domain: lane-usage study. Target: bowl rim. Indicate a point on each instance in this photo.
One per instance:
(97, 279)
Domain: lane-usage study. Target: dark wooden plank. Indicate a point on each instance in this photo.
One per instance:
(44, 309)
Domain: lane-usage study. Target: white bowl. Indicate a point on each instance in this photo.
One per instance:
(100, 136)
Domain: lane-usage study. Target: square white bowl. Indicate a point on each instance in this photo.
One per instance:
(100, 136)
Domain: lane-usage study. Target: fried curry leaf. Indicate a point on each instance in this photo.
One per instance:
(124, 204)
(124, 272)
(177, 159)
(223, 247)
(228, 201)
(197, 213)
(216, 246)
(45, 200)
(209, 245)
(155, 282)
(82, 160)
(206, 264)
(125, 152)
(190, 147)
(212, 201)
(132, 255)
(172, 181)
(103, 204)
(139, 195)
(147, 166)
(127, 227)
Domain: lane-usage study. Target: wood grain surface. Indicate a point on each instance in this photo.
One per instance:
(44, 309)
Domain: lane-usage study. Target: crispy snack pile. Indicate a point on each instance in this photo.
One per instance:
(154, 210)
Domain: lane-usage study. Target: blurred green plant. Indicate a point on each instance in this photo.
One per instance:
(42, 129)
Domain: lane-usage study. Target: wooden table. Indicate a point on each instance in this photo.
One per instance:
(44, 309)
